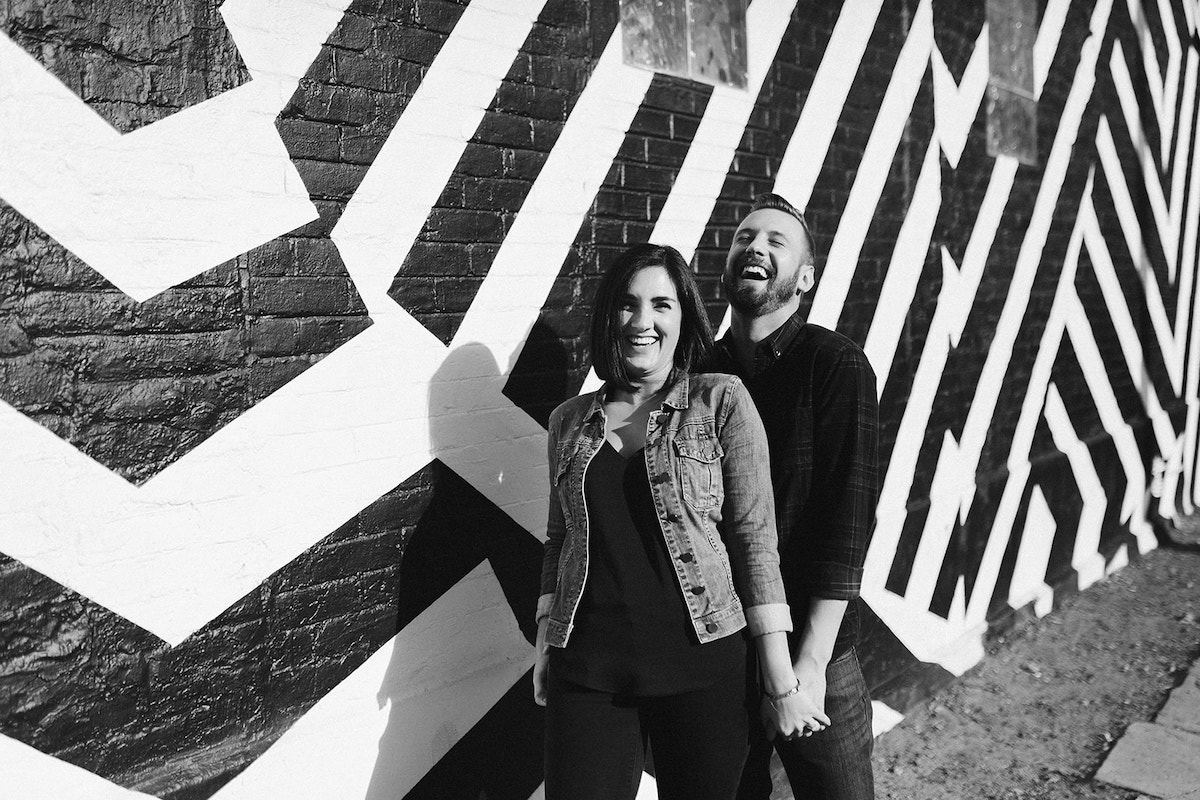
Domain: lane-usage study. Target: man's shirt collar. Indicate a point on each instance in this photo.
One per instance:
(771, 348)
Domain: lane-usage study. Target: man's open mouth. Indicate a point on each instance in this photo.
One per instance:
(755, 272)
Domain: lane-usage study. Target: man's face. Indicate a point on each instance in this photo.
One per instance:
(768, 266)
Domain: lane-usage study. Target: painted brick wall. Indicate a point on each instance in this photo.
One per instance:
(287, 294)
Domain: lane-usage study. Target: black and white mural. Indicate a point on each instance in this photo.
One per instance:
(288, 290)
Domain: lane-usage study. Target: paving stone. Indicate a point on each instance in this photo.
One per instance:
(1182, 709)
(1154, 759)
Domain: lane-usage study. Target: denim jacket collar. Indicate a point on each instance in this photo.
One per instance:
(677, 397)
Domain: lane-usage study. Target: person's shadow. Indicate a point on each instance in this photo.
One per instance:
(461, 534)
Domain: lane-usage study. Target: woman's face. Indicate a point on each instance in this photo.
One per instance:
(648, 321)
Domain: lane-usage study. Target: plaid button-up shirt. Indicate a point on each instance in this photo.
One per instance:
(815, 391)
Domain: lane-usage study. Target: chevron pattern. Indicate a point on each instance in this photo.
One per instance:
(329, 592)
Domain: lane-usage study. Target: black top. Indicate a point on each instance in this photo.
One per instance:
(633, 633)
(815, 392)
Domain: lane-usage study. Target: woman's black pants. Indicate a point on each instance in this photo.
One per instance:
(596, 741)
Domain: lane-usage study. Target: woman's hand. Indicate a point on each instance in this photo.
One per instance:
(541, 664)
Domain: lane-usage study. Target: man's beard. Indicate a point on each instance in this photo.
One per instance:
(757, 301)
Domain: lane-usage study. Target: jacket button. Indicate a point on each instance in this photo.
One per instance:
(672, 517)
(686, 557)
(661, 477)
(711, 627)
(697, 590)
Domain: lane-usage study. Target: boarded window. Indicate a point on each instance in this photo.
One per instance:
(1011, 105)
(704, 40)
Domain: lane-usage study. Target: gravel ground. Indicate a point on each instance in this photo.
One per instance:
(1038, 716)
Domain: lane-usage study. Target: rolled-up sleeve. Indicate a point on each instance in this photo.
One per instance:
(748, 513)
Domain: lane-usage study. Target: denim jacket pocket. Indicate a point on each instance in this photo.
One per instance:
(698, 457)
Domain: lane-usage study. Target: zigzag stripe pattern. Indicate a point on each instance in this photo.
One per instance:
(331, 593)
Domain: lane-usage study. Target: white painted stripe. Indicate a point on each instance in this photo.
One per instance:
(1044, 49)
(168, 201)
(521, 275)
(904, 269)
(1191, 9)
(383, 219)
(386, 725)
(1182, 149)
(1154, 78)
(1085, 554)
(688, 208)
(873, 170)
(959, 296)
(948, 482)
(1168, 227)
(1029, 573)
(809, 144)
(1133, 507)
(1122, 318)
(1167, 138)
(1189, 266)
(1187, 271)
(1172, 349)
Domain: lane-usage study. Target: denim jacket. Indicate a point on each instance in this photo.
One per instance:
(709, 471)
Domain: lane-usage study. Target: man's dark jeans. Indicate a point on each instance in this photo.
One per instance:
(834, 764)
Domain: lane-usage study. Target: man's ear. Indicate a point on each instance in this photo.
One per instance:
(807, 279)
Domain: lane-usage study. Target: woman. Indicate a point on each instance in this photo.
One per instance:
(660, 549)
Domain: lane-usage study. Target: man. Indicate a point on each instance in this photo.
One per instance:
(815, 392)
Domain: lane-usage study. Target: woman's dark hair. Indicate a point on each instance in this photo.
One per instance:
(695, 331)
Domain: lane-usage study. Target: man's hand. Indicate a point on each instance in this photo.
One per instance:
(811, 674)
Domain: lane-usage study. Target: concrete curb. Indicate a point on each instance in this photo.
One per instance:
(1162, 758)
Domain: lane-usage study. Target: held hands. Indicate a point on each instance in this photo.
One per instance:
(793, 716)
(800, 711)
(811, 674)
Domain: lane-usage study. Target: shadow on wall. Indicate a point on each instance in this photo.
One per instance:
(462, 721)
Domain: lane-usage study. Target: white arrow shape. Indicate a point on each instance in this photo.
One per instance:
(174, 553)
(154, 207)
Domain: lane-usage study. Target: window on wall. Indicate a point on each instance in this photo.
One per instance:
(704, 40)
(1011, 105)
